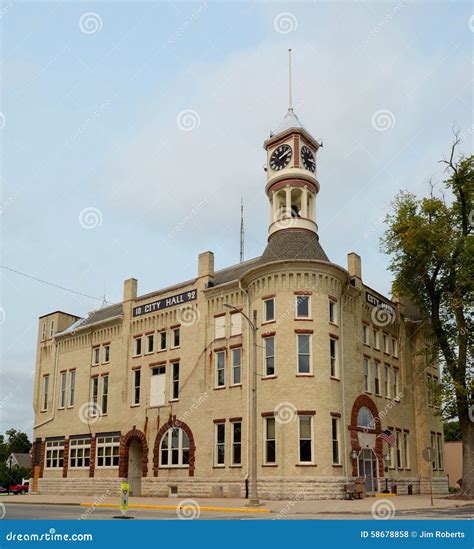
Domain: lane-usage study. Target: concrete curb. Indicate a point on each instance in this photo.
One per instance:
(181, 507)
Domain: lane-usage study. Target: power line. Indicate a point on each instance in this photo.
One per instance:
(52, 284)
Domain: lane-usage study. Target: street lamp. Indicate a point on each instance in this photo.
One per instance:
(387, 461)
(253, 492)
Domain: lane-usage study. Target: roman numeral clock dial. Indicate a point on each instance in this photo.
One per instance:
(308, 159)
(280, 157)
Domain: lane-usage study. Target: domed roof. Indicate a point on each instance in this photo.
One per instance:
(291, 244)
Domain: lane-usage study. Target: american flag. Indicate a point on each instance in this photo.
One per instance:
(388, 437)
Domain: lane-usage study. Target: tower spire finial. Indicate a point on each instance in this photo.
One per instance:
(241, 229)
(290, 92)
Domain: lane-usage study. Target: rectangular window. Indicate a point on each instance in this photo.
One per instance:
(94, 395)
(220, 444)
(269, 310)
(377, 378)
(51, 328)
(302, 306)
(96, 356)
(150, 343)
(395, 383)
(269, 356)
(137, 346)
(176, 337)
(220, 369)
(136, 383)
(158, 386)
(333, 358)
(386, 380)
(162, 336)
(72, 387)
(105, 394)
(44, 397)
(332, 312)
(430, 389)
(235, 324)
(398, 450)
(335, 441)
(79, 453)
(108, 448)
(385, 343)
(43, 331)
(366, 375)
(365, 334)
(62, 390)
(54, 458)
(305, 439)
(236, 442)
(304, 354)
(175, 381)
(394, 347)
(236, 366)
(439, 450)
(219, 327)
(376, 340)
(270, 440)
(106, 353)
(406, 450)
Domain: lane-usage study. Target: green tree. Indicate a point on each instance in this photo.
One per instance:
(17, 442)
(452, 432)
(431, 246)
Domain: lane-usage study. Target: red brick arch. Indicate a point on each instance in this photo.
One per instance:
(173, 422)
(360, 401)
(125, 441)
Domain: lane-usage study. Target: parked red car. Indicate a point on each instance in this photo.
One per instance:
(19, 488)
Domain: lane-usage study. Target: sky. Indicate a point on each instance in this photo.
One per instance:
(131, 130)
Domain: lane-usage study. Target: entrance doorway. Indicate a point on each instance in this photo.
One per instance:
(367, 467)
(135, 467)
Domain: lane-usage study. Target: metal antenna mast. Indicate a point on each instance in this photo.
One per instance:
(290, 91)
(241, 229)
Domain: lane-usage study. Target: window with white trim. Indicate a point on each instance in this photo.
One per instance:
(365, 334)
(269, 309)
(305, 425)
(137, 346)
(439, 450)
(269, 356)
(333, 357)
(51, 328)
(72, 387)
(236, 430)
(270, 440)
(96, 356)
(79, 453)
(219, 457)
(108, 451)
(365, 418)
(54, 458)
(376, 339)
(398, 449)
(174, 448)
(236, 366)
(106, 354)
(235, 324)
(219, 327)
(386, 380)
(394, 347)
(45, 391)
(396, 395)
(136, 385)
(150, 343)
(162, 337)
(105, 394)
(385, 343)
(336, 453)
(220, 368)
(176, 334)
(302, 306)
(303, 343)
(406, 450)
(95, 396)
(377, 378)
(175, 381)
(332, 311)
(366, 375)
(43, 332)
(62, 389)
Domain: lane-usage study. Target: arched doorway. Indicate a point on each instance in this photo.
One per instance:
(367, 468)
(135, 467)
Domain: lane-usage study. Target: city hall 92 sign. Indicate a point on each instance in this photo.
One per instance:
(165, 303)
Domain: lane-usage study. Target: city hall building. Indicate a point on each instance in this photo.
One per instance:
(157, 389)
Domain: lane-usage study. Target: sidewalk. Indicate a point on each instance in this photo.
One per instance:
(401, 503)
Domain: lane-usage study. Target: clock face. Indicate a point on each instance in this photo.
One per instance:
(307, 156)
(280, 157)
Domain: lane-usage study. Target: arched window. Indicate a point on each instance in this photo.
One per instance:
(174, 448)
(365, 418)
